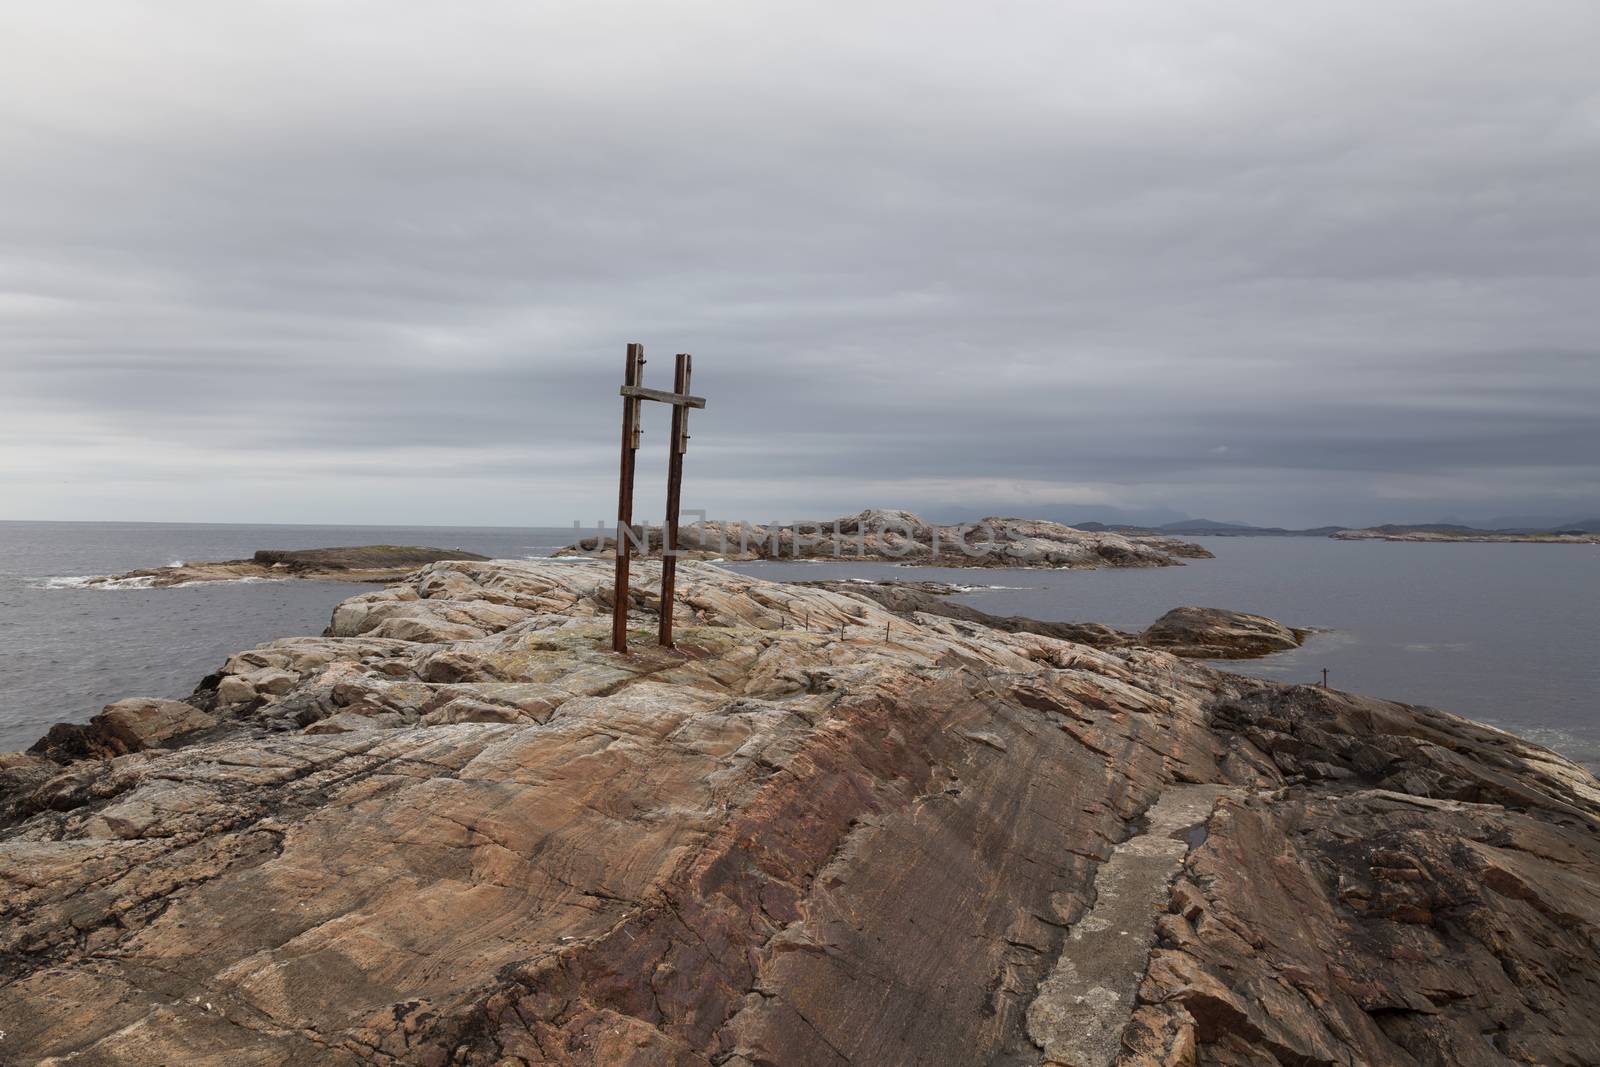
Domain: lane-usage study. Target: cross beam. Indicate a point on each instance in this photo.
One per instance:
(677, 399)
(633, 392)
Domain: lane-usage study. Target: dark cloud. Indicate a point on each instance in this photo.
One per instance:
(1286, 263)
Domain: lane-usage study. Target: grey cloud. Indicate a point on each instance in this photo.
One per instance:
(1241, 259)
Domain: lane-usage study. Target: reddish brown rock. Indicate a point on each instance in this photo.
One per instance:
(130, 725)
(1428, 893)
(1214, 633)
(883, 840)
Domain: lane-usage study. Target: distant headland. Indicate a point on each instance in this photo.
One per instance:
(1467, 533)
(1585, 531)
(365, 563)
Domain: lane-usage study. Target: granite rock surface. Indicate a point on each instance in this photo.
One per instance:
(457, 829)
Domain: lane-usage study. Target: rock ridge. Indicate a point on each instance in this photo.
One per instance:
(456, 829)
(1190, 632)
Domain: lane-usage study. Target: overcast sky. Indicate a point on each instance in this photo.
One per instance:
(377, 263)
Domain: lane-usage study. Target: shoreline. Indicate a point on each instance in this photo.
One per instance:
(1566, 729)
(930, 597)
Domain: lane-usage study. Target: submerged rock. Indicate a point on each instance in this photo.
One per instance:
(819, 832)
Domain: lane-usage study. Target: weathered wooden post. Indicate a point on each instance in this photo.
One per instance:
(632, 377)
(669, 529)
(633, 391)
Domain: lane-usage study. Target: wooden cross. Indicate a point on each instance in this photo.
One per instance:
(633, 392)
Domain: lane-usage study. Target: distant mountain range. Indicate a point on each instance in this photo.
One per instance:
(1207, 528)
(1211, 528)
(1547, 521)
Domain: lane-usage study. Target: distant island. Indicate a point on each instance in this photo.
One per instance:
(364, 563)
(875, 535)
(1467, 533)
(1585, 531)
(891, 536)
(1205, 528)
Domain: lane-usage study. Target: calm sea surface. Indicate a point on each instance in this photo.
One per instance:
(1502, 633)
(65, 652)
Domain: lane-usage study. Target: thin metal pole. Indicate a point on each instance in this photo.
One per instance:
(633, 374)
(669, 529)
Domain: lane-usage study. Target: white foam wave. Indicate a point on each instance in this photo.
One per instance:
(145, 581)
(97, 581)
(251, 580)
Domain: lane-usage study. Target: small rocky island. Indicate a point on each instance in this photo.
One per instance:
(457, 829)
(364, 563)
(890, 536)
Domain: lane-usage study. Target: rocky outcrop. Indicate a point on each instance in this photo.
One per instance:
(911, 598)
(367, 563)
(1213, 633)
(131, 725)
(20, 774)
(902, 537)
(819, 832)
(1194, 633)
(1421, 890)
